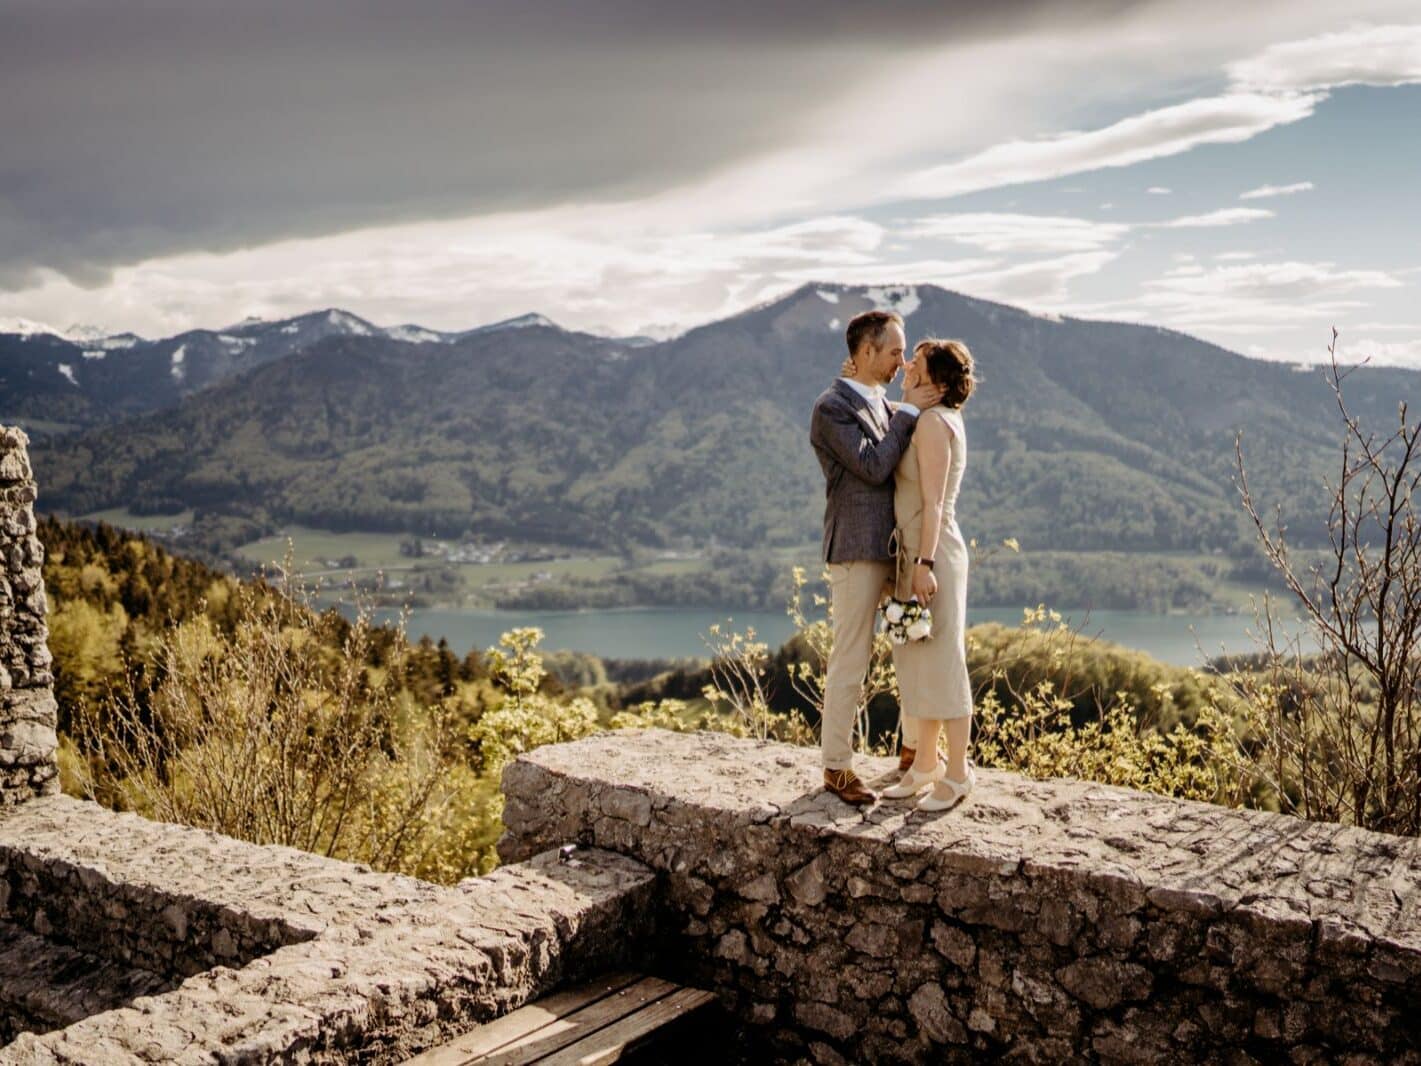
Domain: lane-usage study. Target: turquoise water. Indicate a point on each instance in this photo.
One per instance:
(675, 632)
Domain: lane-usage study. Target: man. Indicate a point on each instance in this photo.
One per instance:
(858, 438)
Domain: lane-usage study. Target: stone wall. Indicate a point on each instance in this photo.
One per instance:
(1041, 921)
(27, 710)
(127, 941)
(105, 918)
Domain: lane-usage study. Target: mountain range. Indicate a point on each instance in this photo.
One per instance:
(61, 380)
(1083, 435)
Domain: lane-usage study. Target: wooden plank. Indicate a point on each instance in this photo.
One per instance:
(573, 1027)
(609, 1044)
(522, 1022)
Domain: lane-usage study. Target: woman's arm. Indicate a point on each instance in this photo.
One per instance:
(934, 439)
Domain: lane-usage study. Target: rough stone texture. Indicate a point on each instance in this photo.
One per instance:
(1039, 922)
(48, 985)
(27, 711)
(275, 955)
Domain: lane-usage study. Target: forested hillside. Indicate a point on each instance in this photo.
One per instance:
(1083, 436)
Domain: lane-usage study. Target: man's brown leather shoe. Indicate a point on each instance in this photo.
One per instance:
(846, 785)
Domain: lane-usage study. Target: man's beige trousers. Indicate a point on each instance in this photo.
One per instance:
(854, 591)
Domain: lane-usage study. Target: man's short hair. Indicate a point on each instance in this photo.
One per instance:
(869, 325)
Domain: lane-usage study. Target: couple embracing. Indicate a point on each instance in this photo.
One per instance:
(892, 473)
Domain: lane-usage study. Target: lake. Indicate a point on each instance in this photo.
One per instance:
(675, 632)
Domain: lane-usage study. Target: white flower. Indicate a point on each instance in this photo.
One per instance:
(920, 629)
(894, 611)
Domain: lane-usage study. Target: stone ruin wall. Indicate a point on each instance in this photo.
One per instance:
(1042, 921)
(126, 941)
(27, 708)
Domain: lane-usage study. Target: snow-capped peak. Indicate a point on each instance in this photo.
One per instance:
(901, 298)
(27, 327)
(524, 322)
(251, 322)
(412, 334)
(521, 322)
(348, 323)
(84, 336)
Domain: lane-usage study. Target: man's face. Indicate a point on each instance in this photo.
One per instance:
(885, 359)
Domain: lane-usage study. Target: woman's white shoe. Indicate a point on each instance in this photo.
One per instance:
(958, 792)
(912, 782)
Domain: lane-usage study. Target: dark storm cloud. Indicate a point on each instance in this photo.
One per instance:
(132, 129)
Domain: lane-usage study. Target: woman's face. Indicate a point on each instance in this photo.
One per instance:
(913, 373)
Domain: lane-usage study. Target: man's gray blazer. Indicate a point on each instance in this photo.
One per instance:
(858, 450)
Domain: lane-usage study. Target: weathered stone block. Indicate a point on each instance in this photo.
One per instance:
(1042, 921)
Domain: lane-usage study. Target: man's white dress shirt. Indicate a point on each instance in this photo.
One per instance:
(878, 395)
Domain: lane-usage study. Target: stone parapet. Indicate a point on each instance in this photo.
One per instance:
(1042, 921)
(27, 710)
(269, 954)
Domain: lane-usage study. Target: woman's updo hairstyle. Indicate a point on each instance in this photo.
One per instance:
(949, 364)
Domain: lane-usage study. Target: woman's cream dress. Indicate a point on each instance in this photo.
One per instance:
(932, 673)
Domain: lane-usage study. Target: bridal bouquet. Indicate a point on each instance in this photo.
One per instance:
(906, 621)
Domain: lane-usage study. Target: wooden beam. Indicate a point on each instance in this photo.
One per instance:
(609, 1044)
(580, 1024)
(523, 1022)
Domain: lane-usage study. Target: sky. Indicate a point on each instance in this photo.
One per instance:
(1248, 173)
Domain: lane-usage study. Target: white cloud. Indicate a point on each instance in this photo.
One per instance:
(1227, 257)
(1042, 284)
(1373, 55)
(951, 273)
(1380, 353)
(1012, 233)
(590, 269)
(1227, 216)
(716, 243)
(1295, 282)
(1264, 191)
(1246, 298)
(1226, 119)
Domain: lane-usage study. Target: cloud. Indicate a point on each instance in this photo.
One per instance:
(1227, 119)
(951, 273)
(139, 131)
(1297, 283)
(1018, 233)
(1265, 191)
(589, 269)
(1227, 216)
(1042, 284)
(1380, 353)
(1374, 55)
(464, 162)
(1246, 298)
(1158, 190)
(1280, 85)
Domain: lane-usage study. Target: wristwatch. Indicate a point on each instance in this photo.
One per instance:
(924, 562)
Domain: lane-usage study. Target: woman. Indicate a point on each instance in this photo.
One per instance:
(932, 565)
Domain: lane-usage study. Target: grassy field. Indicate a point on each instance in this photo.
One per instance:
(143, 523)
(312, 548)
(477, 585)
(670, 567)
